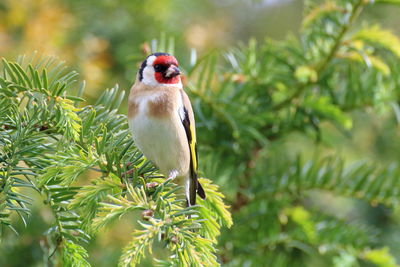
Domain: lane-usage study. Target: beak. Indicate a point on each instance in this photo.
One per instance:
(172, 71)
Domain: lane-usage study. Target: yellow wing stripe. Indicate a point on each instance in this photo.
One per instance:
(192, 146)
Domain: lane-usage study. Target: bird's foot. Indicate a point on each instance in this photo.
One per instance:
(129, 171)
(172, 175)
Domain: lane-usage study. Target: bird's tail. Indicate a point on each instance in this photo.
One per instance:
(200, 190)
(193, 187)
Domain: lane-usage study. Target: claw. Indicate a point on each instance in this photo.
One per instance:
(172, 175)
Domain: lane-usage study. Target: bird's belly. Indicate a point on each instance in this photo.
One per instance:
(160, 141)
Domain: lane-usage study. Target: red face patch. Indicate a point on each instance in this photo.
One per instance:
(161, 79)
(166, 61)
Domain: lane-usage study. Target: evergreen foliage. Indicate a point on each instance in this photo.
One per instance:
(48, 143)
(247, 99)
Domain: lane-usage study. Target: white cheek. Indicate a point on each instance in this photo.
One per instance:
(148, 76)
(150, 60)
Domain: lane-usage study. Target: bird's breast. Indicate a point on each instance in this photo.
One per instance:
(158, 131)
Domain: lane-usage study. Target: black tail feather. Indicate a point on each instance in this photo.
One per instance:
(200, 191)
(195, 187)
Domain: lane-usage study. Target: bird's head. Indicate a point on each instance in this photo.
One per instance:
(160, 69)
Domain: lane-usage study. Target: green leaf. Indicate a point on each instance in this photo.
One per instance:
(302, 217)
(320, 11)
(369, 60)
(305, 74)
(214, 203)
(323, 107)
(381, 257)
(378, 36)
(74, 255)
(141, 239)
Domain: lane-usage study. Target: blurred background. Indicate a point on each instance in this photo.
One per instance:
(105, 40)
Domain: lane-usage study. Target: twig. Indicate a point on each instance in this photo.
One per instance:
(338, 40)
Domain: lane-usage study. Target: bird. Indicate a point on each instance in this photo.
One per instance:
(161, 120)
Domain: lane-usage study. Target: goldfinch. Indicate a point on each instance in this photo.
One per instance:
(162, 123)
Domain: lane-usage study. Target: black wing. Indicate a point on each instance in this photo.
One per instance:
(194, 185)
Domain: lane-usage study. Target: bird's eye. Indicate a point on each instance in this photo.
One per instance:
(158, 67)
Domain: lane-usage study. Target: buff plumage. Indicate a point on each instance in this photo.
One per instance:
(162, 122)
